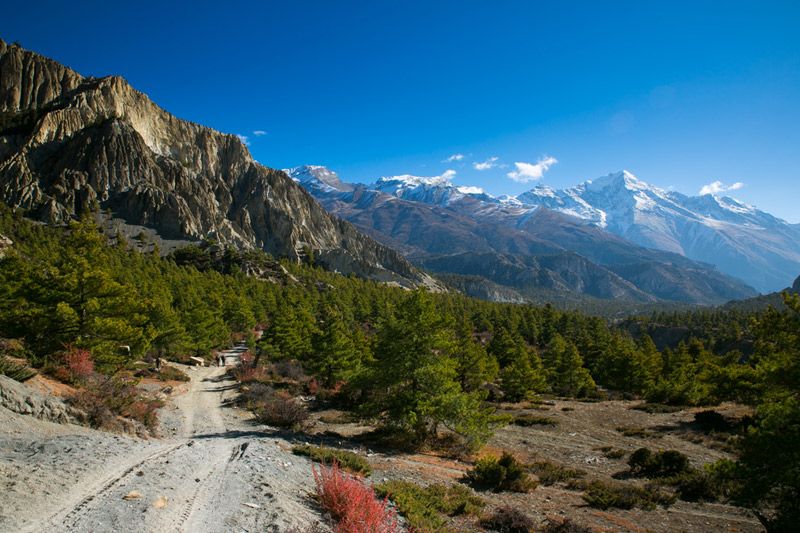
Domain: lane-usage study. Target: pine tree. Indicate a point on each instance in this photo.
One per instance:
(474, 366)
(335, 357)
(413, 383)
(523, 376)
(570, 377)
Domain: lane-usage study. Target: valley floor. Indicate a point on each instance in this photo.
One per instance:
(217, 471)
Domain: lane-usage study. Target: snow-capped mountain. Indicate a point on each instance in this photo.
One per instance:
(737, 238)
(319, 178)
(437, 190)
(447, 228)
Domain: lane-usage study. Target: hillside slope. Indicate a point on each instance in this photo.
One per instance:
(68, 143)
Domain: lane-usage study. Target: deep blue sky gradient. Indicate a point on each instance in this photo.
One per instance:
(680, 93)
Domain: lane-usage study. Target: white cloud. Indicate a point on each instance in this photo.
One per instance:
(532, 171)
(448, 174)
(259, 133)
(454, 157)
(485, 165)
(716, 187)
(245, 140)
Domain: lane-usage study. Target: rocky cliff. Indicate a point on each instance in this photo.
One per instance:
(69, 143)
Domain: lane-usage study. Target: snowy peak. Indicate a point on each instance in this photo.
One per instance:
(318, 178)
(737, 238)
(436, 190)
(619, 181)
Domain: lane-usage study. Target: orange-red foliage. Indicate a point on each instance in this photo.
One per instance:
(353, 504)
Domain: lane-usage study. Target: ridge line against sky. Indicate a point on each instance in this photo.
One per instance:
(689, 96)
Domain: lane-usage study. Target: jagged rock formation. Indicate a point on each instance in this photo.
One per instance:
(68, 143)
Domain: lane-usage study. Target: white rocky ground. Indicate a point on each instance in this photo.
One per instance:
(215, 471)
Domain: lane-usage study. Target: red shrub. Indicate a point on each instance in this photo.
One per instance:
(78, 363)
(352, 503)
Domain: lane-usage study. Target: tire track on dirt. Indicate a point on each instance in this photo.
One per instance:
(73, 511)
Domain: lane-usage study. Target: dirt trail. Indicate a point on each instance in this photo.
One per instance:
(218, 473)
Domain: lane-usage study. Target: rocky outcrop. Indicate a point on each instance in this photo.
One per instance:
(69, 143)
(19, 399)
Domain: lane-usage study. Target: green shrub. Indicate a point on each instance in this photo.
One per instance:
(658, 408)
(505, 473)
(327, 456)
(645, 463)
(534, 420)
(641, 433)
(696, 485)
(611, 452)
(427, 508)
(508, 519)
(712, 421)
(603, 495)
(550, 473)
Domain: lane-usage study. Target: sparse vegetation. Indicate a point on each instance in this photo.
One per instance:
(646, 463)
(427, 508)
(273, 407)
(534, 420)
(608, 495)
(612, 453)
(105, 399)
(500, 474)
(550, 473)
(657, 408)
(507, 519)
(641, 433)
(349, 461)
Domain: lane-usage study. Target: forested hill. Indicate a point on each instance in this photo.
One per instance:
(408, 360)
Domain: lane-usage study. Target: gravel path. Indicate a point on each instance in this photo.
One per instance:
(217, 472)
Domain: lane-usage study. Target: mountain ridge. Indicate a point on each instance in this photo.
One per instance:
(738, 239)
(439, 230)
(68, 143)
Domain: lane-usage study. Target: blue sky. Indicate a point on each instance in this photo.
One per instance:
(683, 94)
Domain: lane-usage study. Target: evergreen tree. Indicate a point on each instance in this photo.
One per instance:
(523, 376)
(414, 380)
(474, 366)
(336, 357)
